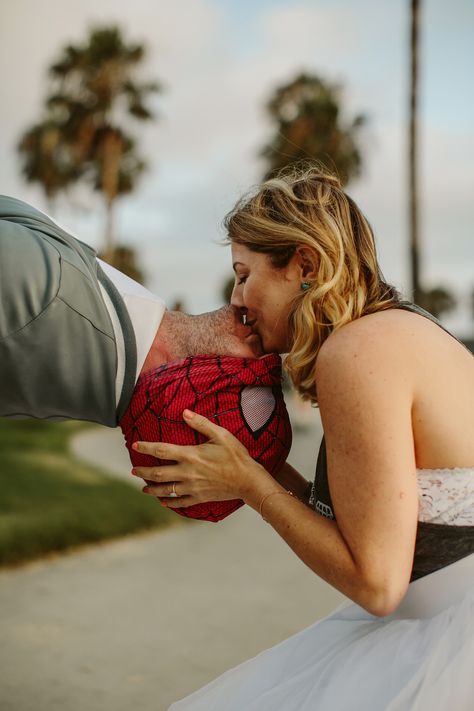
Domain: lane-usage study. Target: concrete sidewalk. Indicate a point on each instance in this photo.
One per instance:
(140, 622)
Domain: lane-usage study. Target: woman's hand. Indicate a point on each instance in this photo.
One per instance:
(218, 470)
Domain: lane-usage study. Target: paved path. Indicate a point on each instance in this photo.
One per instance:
(140, 622)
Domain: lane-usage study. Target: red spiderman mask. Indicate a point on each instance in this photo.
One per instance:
(241, 394)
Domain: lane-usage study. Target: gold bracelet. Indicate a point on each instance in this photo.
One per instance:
(267, 496)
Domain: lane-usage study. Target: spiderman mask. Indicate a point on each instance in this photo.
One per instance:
(241, 394)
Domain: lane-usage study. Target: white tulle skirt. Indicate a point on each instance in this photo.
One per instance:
(421, 658)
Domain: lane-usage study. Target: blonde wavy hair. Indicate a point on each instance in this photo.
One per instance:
(307, 207)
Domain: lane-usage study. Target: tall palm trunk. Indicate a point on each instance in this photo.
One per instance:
(109, 246)
(413, 149)
(112, 153)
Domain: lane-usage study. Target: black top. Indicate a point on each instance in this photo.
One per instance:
(437, 545)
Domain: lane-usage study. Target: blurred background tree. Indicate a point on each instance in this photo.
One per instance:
(438, 300)
(413, 154)
(306, 114)
(124, 258)
(94, 94)
(44, 159)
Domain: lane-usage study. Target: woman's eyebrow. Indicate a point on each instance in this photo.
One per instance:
(237, 263)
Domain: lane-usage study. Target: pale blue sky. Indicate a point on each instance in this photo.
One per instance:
(219, 61)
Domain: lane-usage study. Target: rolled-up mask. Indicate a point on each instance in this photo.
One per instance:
(241, 394)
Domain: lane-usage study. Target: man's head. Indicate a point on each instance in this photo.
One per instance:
(219, 332)
(226, 334)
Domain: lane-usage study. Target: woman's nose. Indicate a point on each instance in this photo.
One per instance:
(236, 301)
(236, 297)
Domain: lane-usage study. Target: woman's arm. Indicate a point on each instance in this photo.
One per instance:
(293, 481)
(365, 393)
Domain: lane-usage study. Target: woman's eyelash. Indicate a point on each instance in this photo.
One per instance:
(241, 280)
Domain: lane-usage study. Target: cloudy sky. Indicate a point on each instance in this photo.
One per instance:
(218, 62)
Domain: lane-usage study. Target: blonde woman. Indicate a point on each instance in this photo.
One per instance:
(390, 518)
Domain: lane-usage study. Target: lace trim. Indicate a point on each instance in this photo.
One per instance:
(446, 496)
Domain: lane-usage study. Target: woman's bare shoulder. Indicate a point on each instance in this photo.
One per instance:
(402, 344)
(384, 333)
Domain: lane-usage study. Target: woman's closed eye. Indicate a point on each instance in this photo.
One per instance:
(241, 279)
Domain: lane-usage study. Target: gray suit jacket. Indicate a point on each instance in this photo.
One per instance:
(58, 355)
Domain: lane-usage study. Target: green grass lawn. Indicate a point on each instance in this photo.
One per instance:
(49, 501)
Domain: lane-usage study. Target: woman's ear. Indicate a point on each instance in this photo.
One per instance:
(308, 263)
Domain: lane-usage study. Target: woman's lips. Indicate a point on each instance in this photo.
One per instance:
(255, 345)
(253, 338)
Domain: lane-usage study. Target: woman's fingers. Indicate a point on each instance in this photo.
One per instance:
(162, 450)
(157, 474)
(178, 503)
(205, 472)
(202, 424)
(164, 491)
(176, 452)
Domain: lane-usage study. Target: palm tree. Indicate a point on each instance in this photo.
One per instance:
(438, 300)
(126, 261)
(96, 88)
(44, 160)
(413, 146)
(94, 94)
(306, 114)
